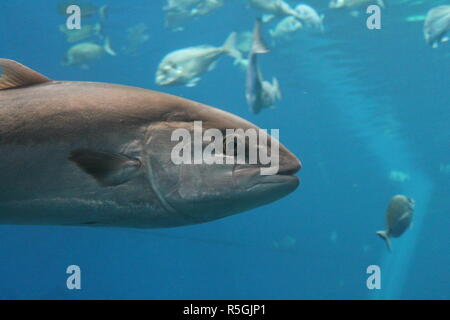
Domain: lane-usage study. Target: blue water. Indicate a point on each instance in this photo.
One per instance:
(357, 103)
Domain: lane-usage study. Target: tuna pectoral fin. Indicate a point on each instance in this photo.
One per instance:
(383, 235)
(109, 169)
(14, 75)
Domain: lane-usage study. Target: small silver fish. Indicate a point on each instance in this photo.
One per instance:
(272, 8)
(87, 31)
(136, 36)
(178, 12)
(437, 24)
(87, 9)
(260, 94)
(83, 53)
(285, 28)
(184, 66)
(309, 17)
(335, 4)
(288, 242)
(398, 218)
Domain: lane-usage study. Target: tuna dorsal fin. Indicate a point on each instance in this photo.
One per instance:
(14, 75)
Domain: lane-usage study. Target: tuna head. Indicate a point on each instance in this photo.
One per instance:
(195, 165)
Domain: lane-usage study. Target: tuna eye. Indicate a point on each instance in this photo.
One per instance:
(230, 146)
(234, 144)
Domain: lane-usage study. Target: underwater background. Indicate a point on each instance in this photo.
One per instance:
(358, 105)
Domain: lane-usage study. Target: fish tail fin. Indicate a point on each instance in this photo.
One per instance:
(241, 64)
(267, 18)
(381, 3)
(383, 235)
(258, 45)
(230, 46)
(107, 47)
(276, 88)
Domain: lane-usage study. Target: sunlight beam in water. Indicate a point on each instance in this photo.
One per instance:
(391, 151)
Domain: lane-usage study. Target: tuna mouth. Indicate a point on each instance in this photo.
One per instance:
(284, 177)
(290, 170)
